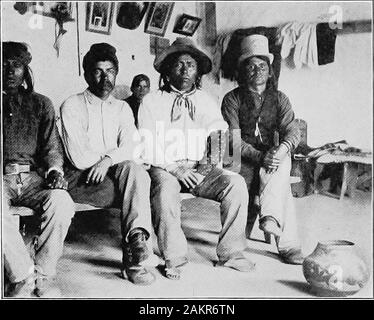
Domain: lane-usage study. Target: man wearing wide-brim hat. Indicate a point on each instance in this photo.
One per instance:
(179, 118)
(268, 135)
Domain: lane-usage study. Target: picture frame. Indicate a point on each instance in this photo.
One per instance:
(186, 25)
(58, 10)
(158, 17)
(99, 17)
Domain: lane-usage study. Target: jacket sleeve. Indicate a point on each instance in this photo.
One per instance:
(230, 112)
(288, 128)
(49, 139)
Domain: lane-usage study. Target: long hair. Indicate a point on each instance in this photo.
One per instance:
(28, 79)
(164, 82)
(271, 83)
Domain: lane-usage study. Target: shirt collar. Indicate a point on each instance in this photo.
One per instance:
(174, 89)
(18, 95)
(254, 93)
(93, 99)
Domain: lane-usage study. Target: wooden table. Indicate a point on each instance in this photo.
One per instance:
(351, 161)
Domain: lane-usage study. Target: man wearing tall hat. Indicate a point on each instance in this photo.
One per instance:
(269, 134)
(178, 118)
(103, 168)
(32, 177)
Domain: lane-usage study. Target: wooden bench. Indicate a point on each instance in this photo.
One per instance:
(22, 212)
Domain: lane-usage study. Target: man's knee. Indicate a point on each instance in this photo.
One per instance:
(167, 191)
(62, 203)
(238, 186)
(135, 170)
(165, 185)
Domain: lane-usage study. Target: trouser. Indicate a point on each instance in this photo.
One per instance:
(275, 200)
(220, 185)
(126, 186)
(56, 210)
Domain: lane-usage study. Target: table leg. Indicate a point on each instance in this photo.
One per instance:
(317, 173)
(344, 181)
(352, 178)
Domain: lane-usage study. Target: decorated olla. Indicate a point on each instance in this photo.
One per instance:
(334, 269)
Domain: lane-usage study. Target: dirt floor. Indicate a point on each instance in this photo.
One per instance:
(90, 266)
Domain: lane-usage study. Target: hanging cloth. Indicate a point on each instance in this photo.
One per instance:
(303, 39)
(325, 43)
(219, 50)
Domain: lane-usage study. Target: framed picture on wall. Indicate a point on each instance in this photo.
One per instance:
(99, 16)
(186, 25)
(158, 18)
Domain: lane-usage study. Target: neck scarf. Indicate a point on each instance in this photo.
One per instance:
(182, 99)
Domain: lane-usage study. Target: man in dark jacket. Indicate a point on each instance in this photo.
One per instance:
(33, 177)
(268, 135)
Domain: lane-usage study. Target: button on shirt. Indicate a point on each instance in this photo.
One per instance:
(93, 128)
(182, 139)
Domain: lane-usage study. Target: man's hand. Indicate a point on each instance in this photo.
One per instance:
(55, 180)
(274, 157)
(99, 170)
(187, 176)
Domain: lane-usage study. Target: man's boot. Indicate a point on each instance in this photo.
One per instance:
(134, 252)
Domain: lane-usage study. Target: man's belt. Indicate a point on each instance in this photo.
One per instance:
(16, 168)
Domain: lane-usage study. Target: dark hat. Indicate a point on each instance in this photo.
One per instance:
(100, 52)
(130, 14)
(16, 50)
(184, 45)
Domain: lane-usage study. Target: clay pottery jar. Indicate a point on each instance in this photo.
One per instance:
(335, 269)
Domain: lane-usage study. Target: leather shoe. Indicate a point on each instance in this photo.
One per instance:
(270, 225)
(136, 249)
(135, 252)
(292, 256)
(238, 262)
(138, 275)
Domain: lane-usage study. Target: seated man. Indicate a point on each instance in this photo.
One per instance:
(264, 115)
(178, 111)
(33, 177)
(99, 135)
(139, 87)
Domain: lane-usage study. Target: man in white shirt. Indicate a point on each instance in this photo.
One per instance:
(176, 122)
(99, 137)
